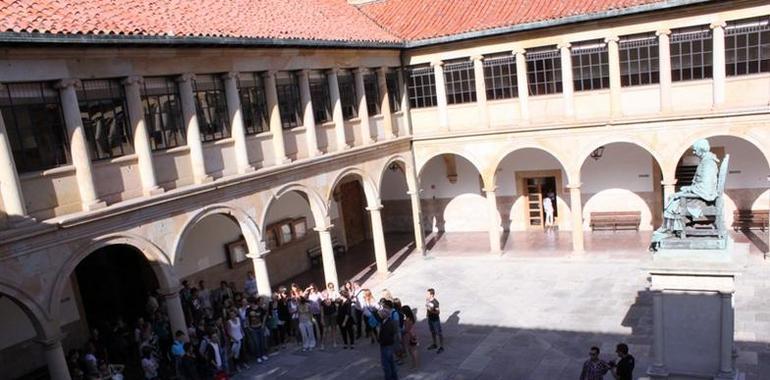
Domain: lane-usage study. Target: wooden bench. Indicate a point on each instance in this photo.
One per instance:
(314, 253)
(616, 220)
(750, 219)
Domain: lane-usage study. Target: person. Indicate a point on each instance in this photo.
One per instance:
(409, 339)
(235, 333)
(256, 318)
(345, 320)
(434, 321)
(329, 316)
(702, 190)
(305, 317)
(548, 209)
(177, 349)
(370, 308)
(624, 370)
(250, 285)
(387, 339)
(594, 368)
(214, 355)
(149, 364)
(188, 365)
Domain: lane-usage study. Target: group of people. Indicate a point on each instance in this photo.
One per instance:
(595, 368)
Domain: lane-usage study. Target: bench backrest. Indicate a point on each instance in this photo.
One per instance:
(720, 201)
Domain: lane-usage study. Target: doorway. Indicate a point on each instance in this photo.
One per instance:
(536, 190)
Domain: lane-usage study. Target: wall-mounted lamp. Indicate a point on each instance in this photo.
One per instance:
(597, 153)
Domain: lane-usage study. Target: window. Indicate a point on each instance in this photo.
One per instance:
(372, 91)
(253, 103)
(544, 71)
(347, 94)
(105, 118)
(288, 99)
(35, 125)
(691, 54)
(500, 77)
(590, 66)
(747, 46)
(422, 87)
(211, 107)
(639, 63)
(460, 82)
(163, 112)
(319, 95)
(394, 90)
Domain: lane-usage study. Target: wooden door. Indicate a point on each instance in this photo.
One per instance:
(534, 202)
(353, 214)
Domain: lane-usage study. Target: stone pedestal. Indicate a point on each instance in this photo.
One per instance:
(693, 322)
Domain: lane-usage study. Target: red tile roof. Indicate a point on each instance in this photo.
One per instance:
(332, 20)
(417, 20)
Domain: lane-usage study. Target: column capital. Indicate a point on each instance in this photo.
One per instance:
(133, 80)
(383, 69)
(478, 57)
(51, 342)
(360, 70)
(661, 32)
(170, 292)
(69, 82)
(717, 24)
(258, 255)
(670, 182)
(325, 228)
(439, 63)
(574, 186)
(519, 51)
(185, 77)
(269, 73)
(304, 72)
(334, 70)
(417, 192)
(611, 39)
(231, 75)
(564, 45)
(374, 208)
(490, 189)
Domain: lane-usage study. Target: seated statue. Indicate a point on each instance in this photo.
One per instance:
(688, 203)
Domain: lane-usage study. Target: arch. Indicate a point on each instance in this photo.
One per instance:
(411, 186)
(317, 205)
(159, 262)
(583, 154)
(492, 180)
(712, 134)
(372, 193)
(251, 233)
(468, 157)
(36, 312)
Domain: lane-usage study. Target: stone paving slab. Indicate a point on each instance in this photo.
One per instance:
(527, 318)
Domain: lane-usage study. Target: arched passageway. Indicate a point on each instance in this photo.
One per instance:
(453, 204)
(18, 326)
(398, 211)
(747, 196)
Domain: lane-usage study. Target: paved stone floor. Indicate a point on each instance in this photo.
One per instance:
(531, 313)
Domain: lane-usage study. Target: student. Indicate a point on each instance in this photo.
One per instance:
(434, 321)
(305, 317)
(594, 368)
(256, 317)
(149, 364)
(387, 339)
(234, 331)
(187, 365)
(370, 308)
(329, 316)
(177, 349)
(345, 320)
(250, 285)
(409, 336)
(624, 370)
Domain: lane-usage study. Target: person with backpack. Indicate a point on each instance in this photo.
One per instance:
(388, 338)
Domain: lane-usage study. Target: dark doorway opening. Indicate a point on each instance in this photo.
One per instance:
(537, 190)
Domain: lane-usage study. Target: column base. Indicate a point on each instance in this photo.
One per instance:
(283, 161)
(18, 221)
(316, 153)
(155, 190)
(384, 274)
(657, 371)
(246, 170)
(204, 179)
(94, 205)
(346, 147)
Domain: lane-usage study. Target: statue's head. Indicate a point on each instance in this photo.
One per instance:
(701, 147)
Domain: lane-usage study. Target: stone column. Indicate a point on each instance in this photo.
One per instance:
(658, 366)
(576, 205)
(236, 122)
(55, 359)
(718, 33)
(308, 119)
(142, 146)
(81, 158)
(174, 309)
(614, 62)
(664, 67)
(419, 238)
(327, 254)
(494, 222)
(276, 127)
(260, 272)
(405, 102)
(481, 91)
(385, 109)
(726, 370)
(568, 86)
(363, 111)
(522, 84)
(10, 186)
(378, 235)
(669, 188)
(337, 116)
(441, 103)
(193, 129)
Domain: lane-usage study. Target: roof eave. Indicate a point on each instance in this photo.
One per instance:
(552, 23)
(140, 40)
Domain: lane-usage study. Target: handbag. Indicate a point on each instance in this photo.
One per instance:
(372, 321)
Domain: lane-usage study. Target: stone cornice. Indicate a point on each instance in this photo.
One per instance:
(135, 212)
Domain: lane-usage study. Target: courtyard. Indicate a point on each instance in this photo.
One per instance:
(529, 314)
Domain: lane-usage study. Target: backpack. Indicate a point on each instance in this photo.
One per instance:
(372, 321)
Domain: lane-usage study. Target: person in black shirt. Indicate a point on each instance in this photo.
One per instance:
(624, 370)
(387, 339)
(434, 321)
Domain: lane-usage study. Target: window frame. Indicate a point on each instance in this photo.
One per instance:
(288, 95)
(460, 82)
(57, 131)
(637, 52)
(87, 102)
(216, 112)
(590, 66)
(422, 87)
(547, 79)
(320, 96)
(682, 43)
(499, 83)
(253, 97)
(346, 84)
(162, 131)
(372, 92)
(746, 29)
(394, 89)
